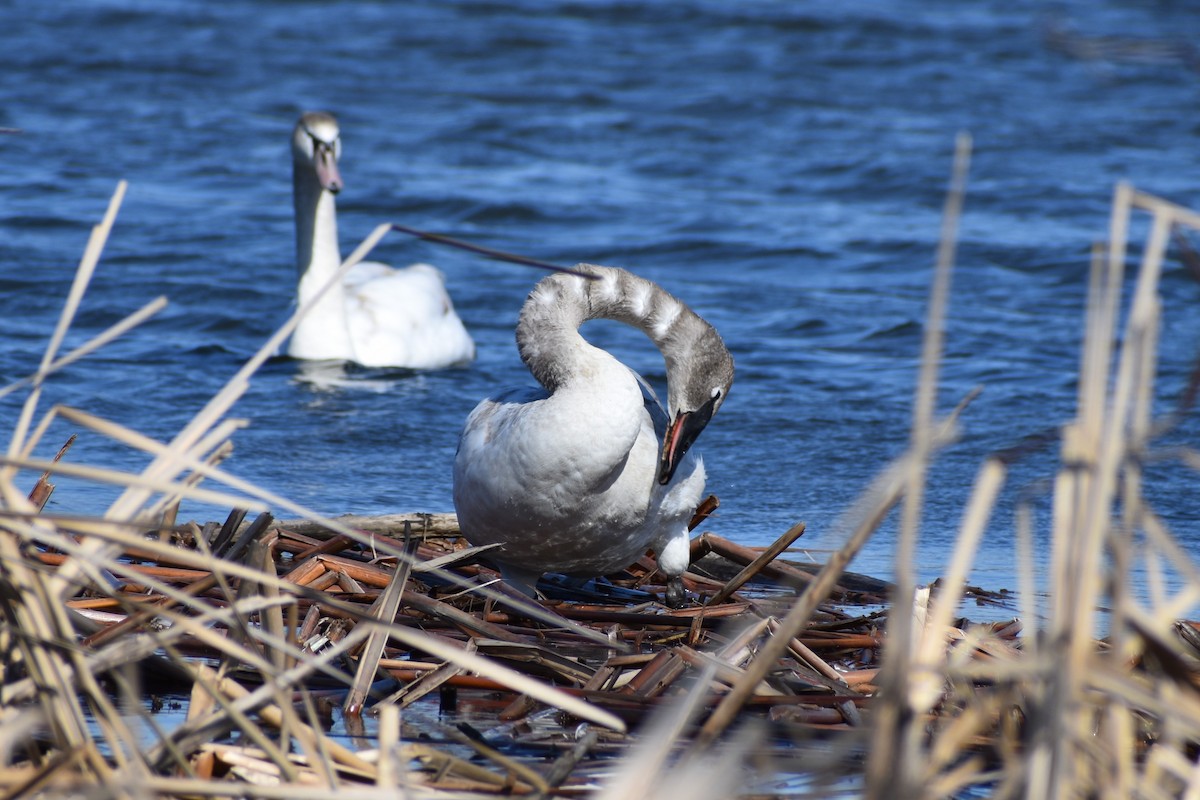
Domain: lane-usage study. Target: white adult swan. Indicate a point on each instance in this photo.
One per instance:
(376, 316)
(584, 475)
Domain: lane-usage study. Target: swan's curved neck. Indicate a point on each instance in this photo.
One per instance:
(323, 332)
(548, 330)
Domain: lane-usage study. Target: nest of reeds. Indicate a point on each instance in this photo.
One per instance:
(777, 678)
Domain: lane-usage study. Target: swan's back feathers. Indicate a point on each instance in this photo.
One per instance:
(403, 317)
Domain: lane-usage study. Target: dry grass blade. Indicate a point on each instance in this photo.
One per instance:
(896, 739)
(170, 461)
(384, 608)
(83, 276)
(929, 660)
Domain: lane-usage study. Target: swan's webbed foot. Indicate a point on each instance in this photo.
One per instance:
(676, 596)
(521, 579)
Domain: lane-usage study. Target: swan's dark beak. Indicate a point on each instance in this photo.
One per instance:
(325, 163)
(681, 433)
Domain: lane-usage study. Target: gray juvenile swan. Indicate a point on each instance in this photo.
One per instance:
(376, 316)
(586, 473)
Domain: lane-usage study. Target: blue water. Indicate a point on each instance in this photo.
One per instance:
(778, 165)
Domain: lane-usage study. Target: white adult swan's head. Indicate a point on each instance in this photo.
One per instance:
(375, 315)
(316, 147)
(587, 472)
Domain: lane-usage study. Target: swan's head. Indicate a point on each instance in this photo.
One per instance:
(705, 372)
(317, 146)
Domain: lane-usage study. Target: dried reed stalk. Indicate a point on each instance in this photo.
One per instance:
(895, 745)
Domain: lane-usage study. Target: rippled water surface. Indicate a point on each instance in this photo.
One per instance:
(778, 165)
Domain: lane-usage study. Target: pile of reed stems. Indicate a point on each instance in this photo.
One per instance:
(777, 680)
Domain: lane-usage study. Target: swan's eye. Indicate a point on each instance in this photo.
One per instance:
(317, 143)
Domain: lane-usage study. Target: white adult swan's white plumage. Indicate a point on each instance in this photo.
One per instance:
(376, 316)
(585, 474)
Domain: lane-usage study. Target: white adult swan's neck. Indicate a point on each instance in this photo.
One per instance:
(322, 333)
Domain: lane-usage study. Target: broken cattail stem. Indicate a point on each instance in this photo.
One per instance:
(741, 554)
(41, 491)
(706, 508)
(754, 567)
